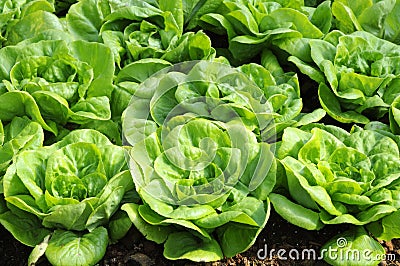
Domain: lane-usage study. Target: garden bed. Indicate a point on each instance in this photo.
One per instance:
(201, 132)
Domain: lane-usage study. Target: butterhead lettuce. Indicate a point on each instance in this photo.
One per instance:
(339, 177)
(358, 76)
(70, 192)
(142, 29)
(346, 177)
(253, 26)
(198, 161)
(55, 83)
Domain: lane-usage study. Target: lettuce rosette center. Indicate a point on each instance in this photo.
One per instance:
(198, 161)
(67, 178)
(59, 76)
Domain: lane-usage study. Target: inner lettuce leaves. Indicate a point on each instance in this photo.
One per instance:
(282, 91)
(55, 83)
(70, 191)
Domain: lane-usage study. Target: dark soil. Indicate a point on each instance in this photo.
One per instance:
(134, 249)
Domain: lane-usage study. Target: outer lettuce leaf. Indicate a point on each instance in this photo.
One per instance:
(191, 248)
(68, 248)
(194, 10)
(25, 227)
(84, 19)
(363, 248)
(296, 214)
(386, 228)
(22, 29)
(119, 226)
(199, 247)
(20, 134)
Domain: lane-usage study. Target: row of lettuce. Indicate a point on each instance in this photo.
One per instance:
(92, 143)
